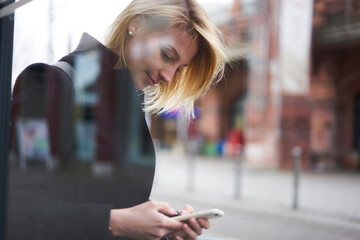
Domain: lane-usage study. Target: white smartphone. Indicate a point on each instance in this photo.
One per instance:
(211, 213)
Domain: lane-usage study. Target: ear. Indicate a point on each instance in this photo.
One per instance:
(136, 23)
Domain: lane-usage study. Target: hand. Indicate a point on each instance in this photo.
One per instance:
(192, 228)
(144, 221)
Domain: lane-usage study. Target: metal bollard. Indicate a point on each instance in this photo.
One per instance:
(296, 152)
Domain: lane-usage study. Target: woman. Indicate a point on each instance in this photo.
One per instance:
(171, 51)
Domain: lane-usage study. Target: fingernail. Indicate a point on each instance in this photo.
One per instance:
(186, 227)
(178, 238)
(183, 212)
(174, 211)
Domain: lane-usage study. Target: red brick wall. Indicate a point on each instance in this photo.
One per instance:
(335, 82)
(329, 11)
(216, 106)
(295, 130)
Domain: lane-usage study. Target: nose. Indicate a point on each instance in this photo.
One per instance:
(168, 73)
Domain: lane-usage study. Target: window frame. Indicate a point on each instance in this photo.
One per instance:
(6, 54)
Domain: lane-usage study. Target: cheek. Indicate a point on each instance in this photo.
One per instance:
(152, 61)
(143, 53)
(152, 55)
(136, 54)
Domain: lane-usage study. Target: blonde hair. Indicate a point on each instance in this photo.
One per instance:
(193, 80)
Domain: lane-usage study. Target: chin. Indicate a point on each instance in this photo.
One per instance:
(139, 83)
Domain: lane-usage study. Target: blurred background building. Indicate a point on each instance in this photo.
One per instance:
(292, 79)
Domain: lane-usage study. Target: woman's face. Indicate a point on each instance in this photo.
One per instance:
(155, 56)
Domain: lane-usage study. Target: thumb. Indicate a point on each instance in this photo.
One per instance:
(171, 224)
(165, 209)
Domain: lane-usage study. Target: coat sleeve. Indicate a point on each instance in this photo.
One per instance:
(34, 213)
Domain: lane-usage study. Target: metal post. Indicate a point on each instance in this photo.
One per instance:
(238, 162)
(296, 152)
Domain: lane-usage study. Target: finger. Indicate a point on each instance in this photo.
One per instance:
(187, 210)
(164, 207)
(195, 226)
(177, 235)
(170, 225)
(190, 233)
(204, 223)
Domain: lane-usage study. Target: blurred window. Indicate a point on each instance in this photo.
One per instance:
(79, 142)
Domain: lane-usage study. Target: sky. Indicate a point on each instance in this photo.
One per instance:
(70, 19)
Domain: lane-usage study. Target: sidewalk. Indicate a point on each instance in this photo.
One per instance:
(327, 199)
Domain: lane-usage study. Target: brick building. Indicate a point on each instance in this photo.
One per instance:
(335, 83)
(324, 119)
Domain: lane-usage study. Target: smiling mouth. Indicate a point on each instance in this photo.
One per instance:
(150, 80)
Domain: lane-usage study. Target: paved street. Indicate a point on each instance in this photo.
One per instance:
(328, 202)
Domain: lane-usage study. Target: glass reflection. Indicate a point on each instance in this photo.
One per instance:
(79, 143)
(88, 170)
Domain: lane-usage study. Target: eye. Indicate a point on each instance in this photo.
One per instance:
(179, 69)
(166, 56)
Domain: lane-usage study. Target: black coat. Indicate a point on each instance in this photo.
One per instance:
(73, 200)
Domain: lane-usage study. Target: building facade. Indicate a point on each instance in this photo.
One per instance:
(335, 83)
(319, 112)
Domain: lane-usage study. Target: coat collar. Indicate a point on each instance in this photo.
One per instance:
(87, 42)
